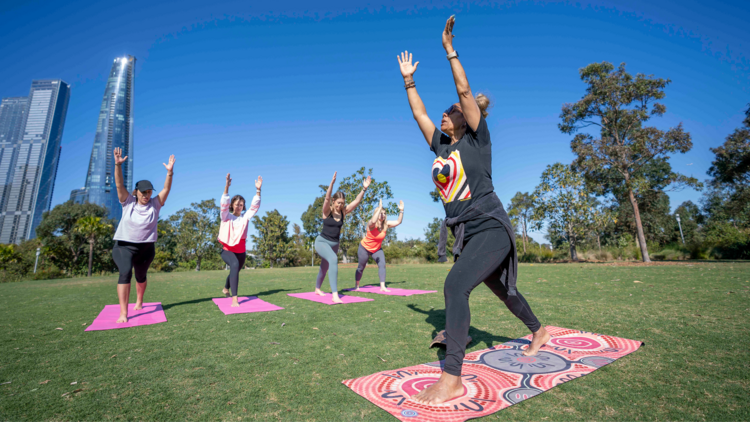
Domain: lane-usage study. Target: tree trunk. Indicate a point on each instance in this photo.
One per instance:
(639, 227)
(91, 255)
(198, 265)
(524, 236)
(572, 243)
(598, 242)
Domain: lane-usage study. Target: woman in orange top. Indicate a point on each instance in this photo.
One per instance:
(370, 245)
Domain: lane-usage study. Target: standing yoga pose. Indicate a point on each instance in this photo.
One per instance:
(371, 244)
(233, 234)
(485, 249)
(327, 244)
(136, 233)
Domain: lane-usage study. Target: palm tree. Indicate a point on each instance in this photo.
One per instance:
(92, 227)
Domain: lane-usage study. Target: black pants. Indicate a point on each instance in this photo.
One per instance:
(236, 262)
(480, 261)
(129, 256)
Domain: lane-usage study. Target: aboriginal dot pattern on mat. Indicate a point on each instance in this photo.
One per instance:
(494, 378)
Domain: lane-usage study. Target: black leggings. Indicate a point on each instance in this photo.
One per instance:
(236, 262)
(129, 256)
(480, 261)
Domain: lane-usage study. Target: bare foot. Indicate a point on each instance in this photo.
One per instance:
(448, 387)
(383, 289)
(138, 306)
(356, 288)
(540, 337)
(122, 319)
(226, 292)
(319, 292)
(235, 303)
(336, 298)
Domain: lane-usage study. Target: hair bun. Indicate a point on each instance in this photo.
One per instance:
(484, 103)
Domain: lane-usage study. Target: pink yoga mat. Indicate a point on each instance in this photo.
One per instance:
(393, 291)
(247, 305)
(328, 298)
(152, 313)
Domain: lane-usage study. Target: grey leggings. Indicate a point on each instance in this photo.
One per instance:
(329, 262)
(363, 255)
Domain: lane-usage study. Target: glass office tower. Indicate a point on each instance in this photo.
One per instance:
(12, 118)
(113, 130)
(33, 167)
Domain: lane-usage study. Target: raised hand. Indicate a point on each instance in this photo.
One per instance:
(401, 206)
(258, 182)
(229, 180)
(404, 63)
(366, 182)
(333, 180)
(119, 159)
(170, 166)
(380, 205)
(448, 34)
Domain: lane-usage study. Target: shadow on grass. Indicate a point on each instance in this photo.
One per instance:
(436, 318)
(208, 299)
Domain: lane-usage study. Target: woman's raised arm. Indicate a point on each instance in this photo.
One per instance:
(168, 181)
(122, 193)
(375, 216)
(415, 102)
(327, 201)
(354, 204)
(400, 215)
(469, 105)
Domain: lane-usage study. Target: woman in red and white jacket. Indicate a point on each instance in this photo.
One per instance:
(233, 234)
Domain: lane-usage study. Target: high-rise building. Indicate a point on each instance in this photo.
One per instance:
(35, 156)
(113, 130)
(12, 118)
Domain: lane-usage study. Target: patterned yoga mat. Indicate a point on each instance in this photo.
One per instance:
(494, 378)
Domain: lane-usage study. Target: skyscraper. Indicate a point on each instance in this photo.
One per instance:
(12, 118)
(30, 179)
(113, 130)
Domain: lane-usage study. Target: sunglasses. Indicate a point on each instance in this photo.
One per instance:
(451, 109)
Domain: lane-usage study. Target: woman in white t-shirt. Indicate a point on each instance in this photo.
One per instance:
(136, 234)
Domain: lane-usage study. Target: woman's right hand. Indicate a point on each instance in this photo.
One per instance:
(404, 63)
(229, 180)
(333, 180)
(119, 159)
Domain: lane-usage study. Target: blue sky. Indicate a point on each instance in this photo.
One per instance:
(295, 92)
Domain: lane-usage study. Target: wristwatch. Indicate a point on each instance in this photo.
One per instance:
(452, 55)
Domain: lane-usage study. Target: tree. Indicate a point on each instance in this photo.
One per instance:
(521, 211)
(312, 220)
(93, 227)
(563, 199)
(64, 245)
(272, 242)
(432, 237)
(691, 219)
(196, 229)
(619, 105)
(601, 217)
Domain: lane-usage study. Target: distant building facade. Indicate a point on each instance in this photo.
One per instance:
(32, 157)
(114, 129)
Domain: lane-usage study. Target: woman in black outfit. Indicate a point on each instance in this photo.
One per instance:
(485, 249)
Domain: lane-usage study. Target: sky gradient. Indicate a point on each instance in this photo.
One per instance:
(294, 92)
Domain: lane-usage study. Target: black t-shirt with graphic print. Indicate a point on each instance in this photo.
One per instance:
(462, 173)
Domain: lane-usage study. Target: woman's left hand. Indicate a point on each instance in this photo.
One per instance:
(170, 166)
(366, 182)
(448, 34)
(401, 206)
(258, 182)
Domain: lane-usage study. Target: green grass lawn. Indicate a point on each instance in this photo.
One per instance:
(204, 365)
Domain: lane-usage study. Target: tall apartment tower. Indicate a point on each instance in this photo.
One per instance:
(113, 130)
(32, 158)
(12, 118)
